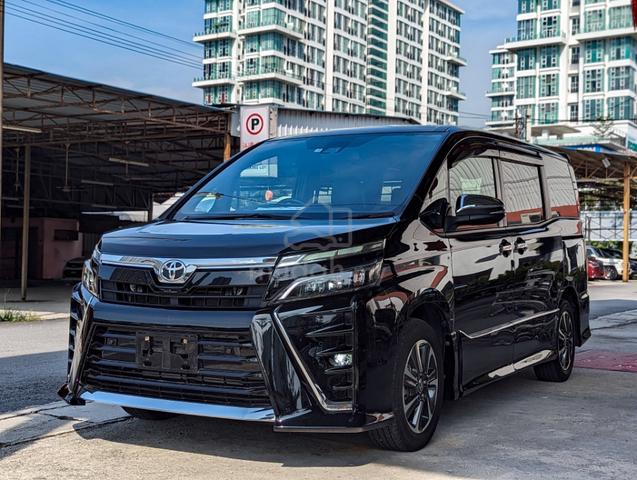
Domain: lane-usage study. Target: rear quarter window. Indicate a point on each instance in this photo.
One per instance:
(562, 188)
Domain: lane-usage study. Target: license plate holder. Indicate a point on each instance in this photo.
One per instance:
(167, 352)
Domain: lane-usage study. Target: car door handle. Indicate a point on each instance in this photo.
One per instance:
(505, 248)
(521, 246)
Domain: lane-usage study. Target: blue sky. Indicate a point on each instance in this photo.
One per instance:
(486, 23)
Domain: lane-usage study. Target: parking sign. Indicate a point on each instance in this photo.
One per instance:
(255, 125)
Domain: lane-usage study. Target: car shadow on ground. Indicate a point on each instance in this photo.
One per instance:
(258, 443)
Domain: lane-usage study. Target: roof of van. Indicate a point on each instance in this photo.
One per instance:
(443, 129)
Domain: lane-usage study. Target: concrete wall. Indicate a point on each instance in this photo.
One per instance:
(47, 256)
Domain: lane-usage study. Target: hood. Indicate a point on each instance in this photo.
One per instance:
(241, 238)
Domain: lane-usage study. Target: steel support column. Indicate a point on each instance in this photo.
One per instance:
(626, 250)
(25, 222)
(1, 109)
(227, 147)
(151, 200)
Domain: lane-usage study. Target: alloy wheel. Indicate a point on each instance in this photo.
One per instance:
(420, 386)
(565, 340)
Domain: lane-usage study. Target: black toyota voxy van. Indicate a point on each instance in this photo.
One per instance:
(346, 281)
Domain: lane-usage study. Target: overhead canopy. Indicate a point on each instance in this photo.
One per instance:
(123, 146)
(601, 175)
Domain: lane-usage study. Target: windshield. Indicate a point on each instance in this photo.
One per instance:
(334, 176)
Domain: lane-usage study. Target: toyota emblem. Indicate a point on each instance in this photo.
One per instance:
(173, 271)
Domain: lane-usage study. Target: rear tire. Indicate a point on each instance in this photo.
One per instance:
(560, 369)
(148, 414)
(417, 390)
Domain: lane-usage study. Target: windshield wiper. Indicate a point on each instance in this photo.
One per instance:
(235, 216)
(218, 195)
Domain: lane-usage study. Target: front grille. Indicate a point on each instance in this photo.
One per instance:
(228, 372)
(225, 290)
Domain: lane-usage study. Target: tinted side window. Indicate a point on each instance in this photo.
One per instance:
(522, 193)
(473, 175)
(562, 193)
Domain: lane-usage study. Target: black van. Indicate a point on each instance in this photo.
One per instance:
(346, 281)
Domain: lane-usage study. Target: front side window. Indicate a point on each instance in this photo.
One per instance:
(473, 175)
(331, 176)
(522, 193)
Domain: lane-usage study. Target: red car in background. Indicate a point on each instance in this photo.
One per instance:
(595, 269)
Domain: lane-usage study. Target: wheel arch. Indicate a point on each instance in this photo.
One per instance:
(570, 295)
(433, 308)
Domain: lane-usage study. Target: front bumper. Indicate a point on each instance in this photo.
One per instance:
(292, 348)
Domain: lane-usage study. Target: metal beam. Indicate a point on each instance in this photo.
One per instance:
(25, 222)
(626, 250)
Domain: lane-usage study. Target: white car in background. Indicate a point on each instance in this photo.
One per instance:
(613, 266)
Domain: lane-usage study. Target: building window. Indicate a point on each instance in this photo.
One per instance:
(526, 30)
(621, 108)
(594, 80)
(621, 78)
(550, 4)
(526, 59)
(622, 48)
(527, 6)
(620, 17)
(573, 112)
(575, 55)
(526, 87)
(593, 109)
(575, 25)
(573, 83)
(547, 113)
(549, 85)
(594, 51)
(550, 26)
(595, 20)
(549, 57)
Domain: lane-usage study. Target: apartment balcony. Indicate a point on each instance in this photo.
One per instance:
(218, 78)
(535, 40)
(214, 34)
(455, 93)
(500, 123)
(457, 59)
(595, 34)
(272, 25)
(501, 92)
(271, 73)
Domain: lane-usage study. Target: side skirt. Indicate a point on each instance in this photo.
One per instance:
(507, 370)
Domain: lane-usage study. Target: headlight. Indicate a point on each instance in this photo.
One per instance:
(89, 274)
(332, 283)
(89, 278)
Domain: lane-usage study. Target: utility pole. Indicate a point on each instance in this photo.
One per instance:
(1, 110)
(522, 124)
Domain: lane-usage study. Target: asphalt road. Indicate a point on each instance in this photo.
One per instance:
(33, 355)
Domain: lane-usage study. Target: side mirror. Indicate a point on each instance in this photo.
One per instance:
(433, 217)
(477, 210)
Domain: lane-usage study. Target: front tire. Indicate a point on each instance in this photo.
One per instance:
(560, 369)
(417, 390)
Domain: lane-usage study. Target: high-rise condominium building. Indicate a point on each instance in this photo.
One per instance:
(387, 57)
(571, 65)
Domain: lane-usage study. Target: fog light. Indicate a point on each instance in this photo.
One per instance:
(342, 360)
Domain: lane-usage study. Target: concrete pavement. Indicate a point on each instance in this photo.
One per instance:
(519, 428)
